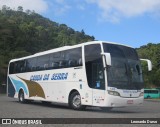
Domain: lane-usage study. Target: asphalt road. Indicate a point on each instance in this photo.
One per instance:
(11, 108)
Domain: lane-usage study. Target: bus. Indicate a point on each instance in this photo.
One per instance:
(151, 93)
(96, 73)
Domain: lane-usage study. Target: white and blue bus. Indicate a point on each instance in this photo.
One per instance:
(97, 73)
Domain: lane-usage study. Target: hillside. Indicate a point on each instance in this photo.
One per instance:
(25, 33)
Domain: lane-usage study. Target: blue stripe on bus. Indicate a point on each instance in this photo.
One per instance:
(18, 85)
(11, 89)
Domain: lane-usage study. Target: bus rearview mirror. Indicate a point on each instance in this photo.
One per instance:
(149, 63)
(107, 58)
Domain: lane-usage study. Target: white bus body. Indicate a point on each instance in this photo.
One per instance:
(95, 73)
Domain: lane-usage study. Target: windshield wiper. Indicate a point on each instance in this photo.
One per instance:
(138, 69)
(126, 68)
(128, 73)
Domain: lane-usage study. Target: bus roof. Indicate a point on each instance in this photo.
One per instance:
(65, 48)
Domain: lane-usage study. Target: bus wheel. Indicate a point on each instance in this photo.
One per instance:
(21, 97)
(75, 101)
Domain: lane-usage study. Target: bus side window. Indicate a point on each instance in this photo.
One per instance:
(71, 63)
(80, 62)
(28, 69)
(73, 56)
(46, 66)
(17, 67)
(54, 60)
(11, 68)
(22, 66)
(42, 62)
(62, 64)
(54, 65)
(31, 64)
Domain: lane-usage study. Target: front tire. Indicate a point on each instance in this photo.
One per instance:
(21, 97)
(75, 101)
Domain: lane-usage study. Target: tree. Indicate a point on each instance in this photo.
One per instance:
(20, 8)
(5, 8)
(28, 12)
(152, 52)
(23, 34)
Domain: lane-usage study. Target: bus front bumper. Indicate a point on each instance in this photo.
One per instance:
(117, 101)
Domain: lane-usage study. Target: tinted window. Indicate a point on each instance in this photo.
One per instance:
(151, 91)
(114, 50)
(67, 58)
(22, 66)
(54, 60)
(73, 57)
(63, 59)
(11, 68)
(125, 71)
(17, 67)
(130, 53)
(94, 66)
(31, 64)
(121, 51)
(92, 52)
(42, 63)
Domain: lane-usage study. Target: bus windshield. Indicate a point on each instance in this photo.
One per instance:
(125, 71)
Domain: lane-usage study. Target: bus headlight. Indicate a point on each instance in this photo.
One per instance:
(113, 93)
(141, 94)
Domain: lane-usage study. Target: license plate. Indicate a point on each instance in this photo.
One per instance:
(130, 102)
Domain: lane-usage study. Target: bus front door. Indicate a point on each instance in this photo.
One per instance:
(98, 82)
(95, 73)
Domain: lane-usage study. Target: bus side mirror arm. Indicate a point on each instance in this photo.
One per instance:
(107, 57)
(149, 63)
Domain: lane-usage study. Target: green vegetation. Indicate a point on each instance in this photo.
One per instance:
(25, 33)
(152, 52)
